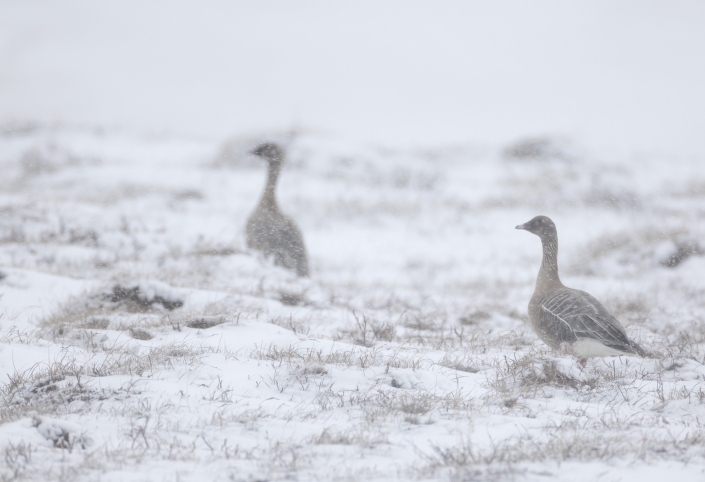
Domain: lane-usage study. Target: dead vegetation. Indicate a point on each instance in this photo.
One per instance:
(503, 459)
(282, 380)
(649, 247)
(54, 388)
(205, 322)
(134, 299)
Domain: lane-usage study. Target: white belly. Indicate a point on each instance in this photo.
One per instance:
(589, 347)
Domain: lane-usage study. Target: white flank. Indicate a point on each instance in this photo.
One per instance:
(589, 347)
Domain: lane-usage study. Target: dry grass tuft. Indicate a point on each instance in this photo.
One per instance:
(205, 322)
(474, 318)
(140, 334)
(18, 460)
(133, 299)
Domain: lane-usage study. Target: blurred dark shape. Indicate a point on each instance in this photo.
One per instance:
(223, 251)
(50, 157)
(384, 331)
(188, 194)
(464, 368)
(684, 250)
(85, 237)
(136, 300)
(552, 374)
(537, 149)
(18, 129)
(96, 323)
(474, 318)
(205, 322)
(140, 334)
(614, 197)
(2, 275)
(291, 299)
(268, 230)
(35, 161)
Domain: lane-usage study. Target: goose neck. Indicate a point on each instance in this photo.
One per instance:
(548, 274)
(269, 198)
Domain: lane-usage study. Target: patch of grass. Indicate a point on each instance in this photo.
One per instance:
(291, 299)
(95, 323)
(499, 461)
(361, 436)
(205, 322)
(140, 334)
(18, 460)
(133, 299)
(474, 317)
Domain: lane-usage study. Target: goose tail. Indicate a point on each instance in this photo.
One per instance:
(639, 350)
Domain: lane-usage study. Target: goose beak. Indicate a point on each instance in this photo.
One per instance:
(521, 226)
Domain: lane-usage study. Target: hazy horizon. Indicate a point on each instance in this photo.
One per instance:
(623, 75)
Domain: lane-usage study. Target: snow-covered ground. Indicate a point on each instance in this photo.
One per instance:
(141, 340)
(405, 356)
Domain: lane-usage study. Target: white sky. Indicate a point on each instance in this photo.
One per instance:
(625, 74)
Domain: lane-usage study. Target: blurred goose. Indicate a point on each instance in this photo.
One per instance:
(569, 320)
(268, 230)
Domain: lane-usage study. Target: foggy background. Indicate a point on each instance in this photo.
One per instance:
(142, 338)
(618, 74)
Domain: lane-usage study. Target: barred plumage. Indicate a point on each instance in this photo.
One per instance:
(569, 319)
(268, 230)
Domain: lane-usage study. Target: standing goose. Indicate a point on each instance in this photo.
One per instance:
(268, 230)
(569, 320)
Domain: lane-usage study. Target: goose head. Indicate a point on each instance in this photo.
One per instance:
(541, 226)
(270, 152)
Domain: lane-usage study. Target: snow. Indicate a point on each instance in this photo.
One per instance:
(141, 340)
(406, 355)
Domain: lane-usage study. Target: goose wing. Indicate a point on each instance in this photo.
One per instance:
(275, 235)
(566, 315)
(290, 249)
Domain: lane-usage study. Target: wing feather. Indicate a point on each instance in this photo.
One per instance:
(566, 315)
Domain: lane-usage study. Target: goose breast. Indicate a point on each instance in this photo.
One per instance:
(277, 236)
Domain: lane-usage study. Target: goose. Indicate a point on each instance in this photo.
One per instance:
(268, 230)
(568, 320)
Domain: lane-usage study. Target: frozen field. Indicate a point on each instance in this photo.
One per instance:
(405, 356)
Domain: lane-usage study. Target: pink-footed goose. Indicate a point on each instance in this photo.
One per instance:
(268, 230)
(568, 320)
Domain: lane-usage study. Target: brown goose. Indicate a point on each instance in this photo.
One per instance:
(569, 320)
(268, 230)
